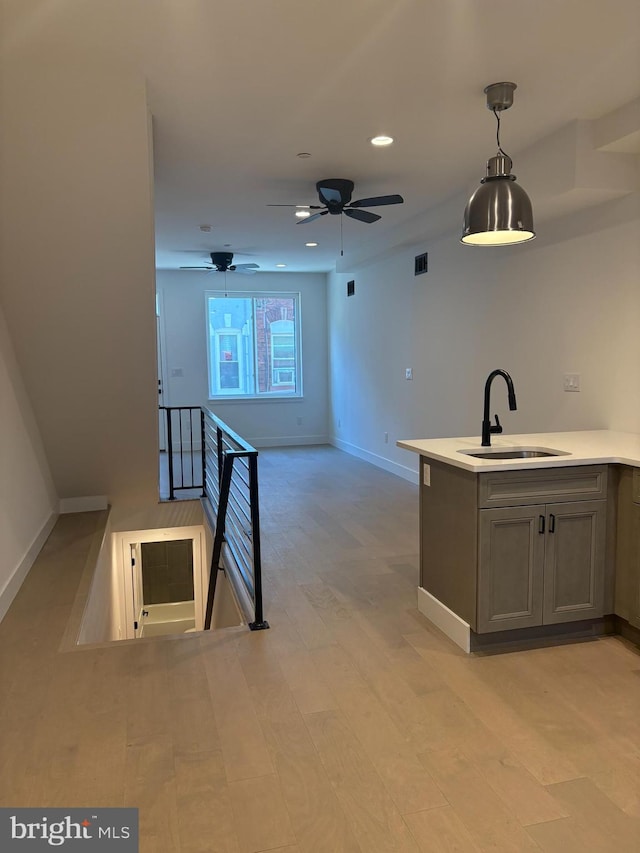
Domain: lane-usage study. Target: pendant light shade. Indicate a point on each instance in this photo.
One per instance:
(499, 212)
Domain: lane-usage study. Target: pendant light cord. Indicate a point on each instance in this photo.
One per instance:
(500, 149)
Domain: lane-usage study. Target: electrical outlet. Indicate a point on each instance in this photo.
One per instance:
(408, 373)
(571, 382)
(426, 475)
(299, 421)
(386, 438)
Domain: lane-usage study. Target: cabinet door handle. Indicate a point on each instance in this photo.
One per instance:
(552, 523)
(541, 524)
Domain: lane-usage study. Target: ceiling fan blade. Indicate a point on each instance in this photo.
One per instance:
(241, 267)
(245, 270)
(311, 218)
(362, 215)
(196, 268)
(300, 206)
(377, 201)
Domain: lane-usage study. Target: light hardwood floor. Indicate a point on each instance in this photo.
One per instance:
(351, 725)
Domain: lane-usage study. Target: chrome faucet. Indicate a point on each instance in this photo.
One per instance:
(487, 427)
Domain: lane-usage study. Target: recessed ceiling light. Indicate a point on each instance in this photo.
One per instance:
(281, 266)
(205, 228)
(381, 141)
(311, 244)
(302, 214)
(303, 154)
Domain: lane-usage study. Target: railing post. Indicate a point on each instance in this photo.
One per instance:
(219, 537)
(204, 455)
(219, 452)
(172, 496)
(260, 622)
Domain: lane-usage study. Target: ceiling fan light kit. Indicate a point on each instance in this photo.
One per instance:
(499, 212)
(335, 197)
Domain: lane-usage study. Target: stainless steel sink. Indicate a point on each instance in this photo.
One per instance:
(513, 452)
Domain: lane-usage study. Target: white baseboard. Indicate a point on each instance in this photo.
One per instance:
(16, 580)
(446, 620)
(381, 461)
(91, 503)
(288, 440)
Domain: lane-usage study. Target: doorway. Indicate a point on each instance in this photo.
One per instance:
(164, 582)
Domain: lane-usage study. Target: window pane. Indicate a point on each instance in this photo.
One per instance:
(253, 345)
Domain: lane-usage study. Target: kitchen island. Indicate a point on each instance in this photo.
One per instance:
(531, 549)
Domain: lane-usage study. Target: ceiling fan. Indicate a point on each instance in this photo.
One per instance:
(335, 195)
(222, 262)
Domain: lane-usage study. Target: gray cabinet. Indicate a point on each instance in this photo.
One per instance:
(540, 564)
(634, 597)
(627, 599)
(510, 568)
(516, 549)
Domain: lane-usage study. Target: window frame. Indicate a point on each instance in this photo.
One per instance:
(212, 344)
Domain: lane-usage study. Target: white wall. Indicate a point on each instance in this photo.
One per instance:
(77, 264)
(261, 422)
(567, 302)
(28, 502)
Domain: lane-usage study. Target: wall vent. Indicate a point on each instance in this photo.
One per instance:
(421, 264)
(351, 287)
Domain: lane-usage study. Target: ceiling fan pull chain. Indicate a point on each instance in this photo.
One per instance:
(341, 242)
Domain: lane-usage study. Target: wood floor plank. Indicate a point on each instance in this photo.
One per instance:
(241, 740)
(405, 778)
(318, 820)
(491, 824)
(205, 816)
(491, 704)
(586, 803)
(440, 830)
(150, 786)
(260, 816)
(310, 692)
(376, 822)
(525, 797)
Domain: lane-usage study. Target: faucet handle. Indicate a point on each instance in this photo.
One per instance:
(498, 426)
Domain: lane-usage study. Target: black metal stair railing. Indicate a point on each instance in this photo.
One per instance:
(185, 448)
(232, 507)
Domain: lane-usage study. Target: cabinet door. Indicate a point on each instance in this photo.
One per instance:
(634, 569)
(510, 568)
(574, 561)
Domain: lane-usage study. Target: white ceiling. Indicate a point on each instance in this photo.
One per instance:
(238, 88)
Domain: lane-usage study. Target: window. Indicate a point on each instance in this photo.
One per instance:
(253, 345)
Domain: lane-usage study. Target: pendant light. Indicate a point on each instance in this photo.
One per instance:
(499, 211)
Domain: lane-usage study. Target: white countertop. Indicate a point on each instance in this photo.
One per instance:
(590, 447)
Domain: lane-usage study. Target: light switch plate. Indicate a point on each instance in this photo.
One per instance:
(571, 382)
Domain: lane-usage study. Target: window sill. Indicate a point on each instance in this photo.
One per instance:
(262, 400)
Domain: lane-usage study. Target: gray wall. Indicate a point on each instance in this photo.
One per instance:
(77, 268)
(567, 302)
(183, 337)
(28, 501)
